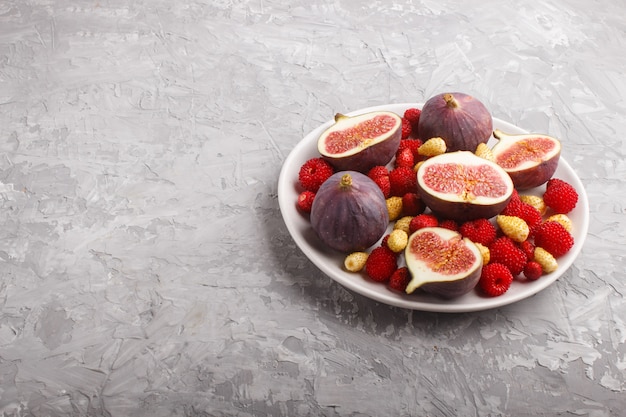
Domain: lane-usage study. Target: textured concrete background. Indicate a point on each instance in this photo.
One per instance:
(144, 265)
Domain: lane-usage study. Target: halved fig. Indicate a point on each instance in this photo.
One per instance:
(442, 262)
(460, 119)
(462, 186)
(359, 143)
(349, 212)
(530, 159)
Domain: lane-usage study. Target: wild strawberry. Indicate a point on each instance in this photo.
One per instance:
(394, 207)
(397, 240)
(560, 196)
(432, 147)
(400, 279)
(533, 270)
(355, 261)
(384, 184)
(305, 201)
(554, 238)
(513, 227)
(563, 219)
(313, 173)
(412, 144)
(403, 180)
(526, 212)
(412, 204)
(407, 129)
(404, 158)
(479, 231)
(422, 220)
(484, 152)
(378, 171)
(546, 260)
(495, 279)
(403, 224)
(381, 264)
(535, 201)
(503, 250)
(449, 224)
(413, 116)
(528, 248)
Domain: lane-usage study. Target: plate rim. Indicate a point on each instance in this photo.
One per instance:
(385, 295)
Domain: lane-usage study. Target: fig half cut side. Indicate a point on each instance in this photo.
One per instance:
(462, 186)
(442, 262)
(359, 143)
(530, 159)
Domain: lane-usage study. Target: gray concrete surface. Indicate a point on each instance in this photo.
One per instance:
(145, 268)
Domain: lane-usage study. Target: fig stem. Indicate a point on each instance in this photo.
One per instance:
(450, 101)
(346, 181)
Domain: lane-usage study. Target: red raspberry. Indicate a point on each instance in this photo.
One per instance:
(479, 231)
(313, 173)
(528, 248)
(449, 224)
(406, 128)
(413, 116)
(560, 196)
(400, 279)
(381, 264)
(495, 279)
(378, 171)
(533, 270)
(384, 185)
(554, 238)
(412, 205)
(305, 201)
(422, 220)
(404, 158)
(403, 180)
(503, 250)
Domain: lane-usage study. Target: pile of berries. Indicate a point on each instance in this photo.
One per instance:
(523, 242)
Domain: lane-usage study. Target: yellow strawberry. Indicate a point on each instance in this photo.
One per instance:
(355, 261)
(513, 227)
(432, 147)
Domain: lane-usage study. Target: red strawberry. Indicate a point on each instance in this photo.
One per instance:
(305, 201)
(504, 250)
(449, 224)
(413, 116)
(479, 231)
(495, 279)
(533, 270)
(378, 171)
(400, 279)
(403, 180)
(554, 238)
(313, 173)
(528, 248)
(412, 205)
(381, 264)
(404, 158)
(422, 220)
(524, 211)
(384, 184)
(560, 196)
(406, 128)
(412, 144)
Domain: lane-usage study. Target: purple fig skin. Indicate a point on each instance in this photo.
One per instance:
(461, 120)
(460, 212)
(533, 176)
(352, 216)
(453, 289)
(380, 153)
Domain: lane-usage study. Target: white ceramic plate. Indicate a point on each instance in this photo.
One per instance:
(331, 262)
